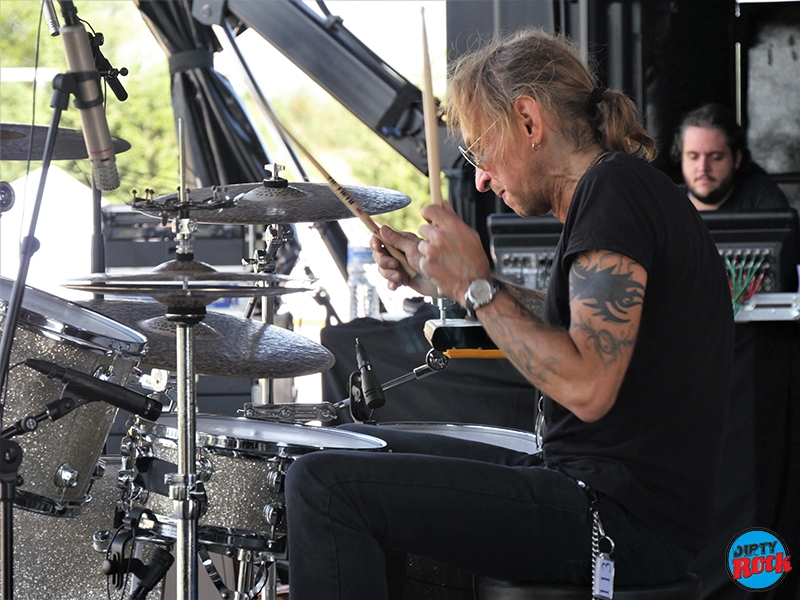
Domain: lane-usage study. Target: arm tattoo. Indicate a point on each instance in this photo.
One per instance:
(606, 289)
(603, 342)
(530, 300)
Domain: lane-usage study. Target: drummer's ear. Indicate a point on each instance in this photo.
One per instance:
(530, 119)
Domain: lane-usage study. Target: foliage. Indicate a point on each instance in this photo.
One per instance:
(145, 119)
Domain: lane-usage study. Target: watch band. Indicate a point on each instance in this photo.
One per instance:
(479, 293)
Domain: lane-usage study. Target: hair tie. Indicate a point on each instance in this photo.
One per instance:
(596, 96)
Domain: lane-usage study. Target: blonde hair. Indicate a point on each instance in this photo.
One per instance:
(483, 85)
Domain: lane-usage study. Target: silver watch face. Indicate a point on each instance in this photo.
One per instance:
(480, 292)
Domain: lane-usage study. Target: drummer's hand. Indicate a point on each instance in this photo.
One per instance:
(452, 252)
(389, 267)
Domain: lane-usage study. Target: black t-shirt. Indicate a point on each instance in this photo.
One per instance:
(656, 451)
(753, 191)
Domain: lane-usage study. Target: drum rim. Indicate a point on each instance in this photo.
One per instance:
(133, 348)
(519, 433)
(153, 431)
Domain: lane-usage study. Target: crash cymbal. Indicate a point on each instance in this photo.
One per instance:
(184, 284)
(225, 345)
(259, 203)
(15, 138)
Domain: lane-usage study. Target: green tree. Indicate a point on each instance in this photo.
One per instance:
(145, 119)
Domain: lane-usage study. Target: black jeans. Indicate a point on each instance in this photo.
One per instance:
(476, 506)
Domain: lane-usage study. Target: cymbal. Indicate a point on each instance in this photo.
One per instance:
(225, 345)
(184, 284)
(69, 145)
(300, 202)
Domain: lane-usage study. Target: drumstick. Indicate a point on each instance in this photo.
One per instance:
(351, 203)
(431, 127)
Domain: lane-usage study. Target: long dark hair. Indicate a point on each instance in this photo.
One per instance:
(716, 116)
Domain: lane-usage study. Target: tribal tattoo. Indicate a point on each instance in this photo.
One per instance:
(603, 286)
(608, 347)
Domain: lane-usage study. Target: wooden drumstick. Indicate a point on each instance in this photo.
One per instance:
(431, 126)
(351, 203)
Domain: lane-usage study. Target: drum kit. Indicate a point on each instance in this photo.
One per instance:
(185, 482)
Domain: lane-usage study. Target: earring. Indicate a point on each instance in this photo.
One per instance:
(536, 146)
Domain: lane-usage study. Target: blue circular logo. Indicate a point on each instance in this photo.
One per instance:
(757, 559)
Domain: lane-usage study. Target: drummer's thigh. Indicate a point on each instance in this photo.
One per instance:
(447, 508)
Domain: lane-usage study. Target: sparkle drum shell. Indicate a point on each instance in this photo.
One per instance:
(59, 457)
(241, 463)
(63, 558)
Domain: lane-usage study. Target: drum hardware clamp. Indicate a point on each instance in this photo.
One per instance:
(359, 399)
(116, 566)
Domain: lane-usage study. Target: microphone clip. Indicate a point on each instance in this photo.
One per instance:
(359, 410)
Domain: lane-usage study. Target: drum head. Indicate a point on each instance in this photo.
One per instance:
(260, 437)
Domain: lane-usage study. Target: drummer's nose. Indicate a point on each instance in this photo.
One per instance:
(483, 181)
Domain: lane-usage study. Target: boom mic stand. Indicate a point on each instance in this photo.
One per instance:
(10, 452)
(64, 85)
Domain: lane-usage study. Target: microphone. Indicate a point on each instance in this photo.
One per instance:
(370, 387)
(96, 390)
(89, 100)
(50, 17)
(158, 566)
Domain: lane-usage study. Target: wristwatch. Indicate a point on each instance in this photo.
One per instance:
(479, 293)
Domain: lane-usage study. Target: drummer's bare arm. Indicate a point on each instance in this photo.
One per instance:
(581, 367)
(390, 268)
(531, 300)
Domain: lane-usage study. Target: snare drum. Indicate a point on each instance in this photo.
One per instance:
(504, 437)
(60, 457)
(241, 463)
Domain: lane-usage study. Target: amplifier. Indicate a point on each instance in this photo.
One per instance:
(133, 239)
(523, 249)
(759, 249)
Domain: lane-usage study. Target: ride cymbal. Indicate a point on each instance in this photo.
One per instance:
(224, 346)
(263, 203)
(15, 139)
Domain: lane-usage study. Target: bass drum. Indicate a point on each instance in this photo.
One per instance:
(59, 457)
(63, 558)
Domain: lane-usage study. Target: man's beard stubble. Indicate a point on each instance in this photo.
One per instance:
(719, 194)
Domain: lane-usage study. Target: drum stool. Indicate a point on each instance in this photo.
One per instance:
(687, 588)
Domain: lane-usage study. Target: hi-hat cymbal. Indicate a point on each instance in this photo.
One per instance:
(225, 345)
(15, 138)
(259, 203)
(184, 284)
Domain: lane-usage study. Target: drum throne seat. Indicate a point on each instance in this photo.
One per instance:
(687, 588)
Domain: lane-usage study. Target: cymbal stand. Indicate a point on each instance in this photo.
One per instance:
(265, 261)
(183, 484)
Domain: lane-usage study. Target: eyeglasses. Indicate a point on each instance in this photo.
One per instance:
(472, 158)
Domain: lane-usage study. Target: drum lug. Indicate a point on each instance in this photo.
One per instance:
(203, 466)
(65, 476)
(105, 373)
(273, 514)
(275, 476)
(101, 540)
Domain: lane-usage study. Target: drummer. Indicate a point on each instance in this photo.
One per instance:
(632, 347)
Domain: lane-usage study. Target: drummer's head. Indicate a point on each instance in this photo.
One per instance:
(485, 88)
